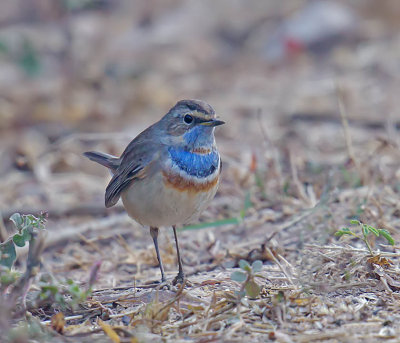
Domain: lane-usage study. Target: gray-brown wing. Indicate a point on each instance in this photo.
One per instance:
(135, 163)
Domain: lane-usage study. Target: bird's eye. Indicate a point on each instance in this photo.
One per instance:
(188, 119)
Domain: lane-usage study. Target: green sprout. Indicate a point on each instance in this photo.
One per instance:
(64, 293)
(246, 277)
(366, 230)
(27, 227)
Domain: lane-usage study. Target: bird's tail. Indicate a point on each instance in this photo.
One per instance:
(109, 161)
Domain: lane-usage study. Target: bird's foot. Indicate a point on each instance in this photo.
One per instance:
(162, 284)
(168, 284)
(179, 279)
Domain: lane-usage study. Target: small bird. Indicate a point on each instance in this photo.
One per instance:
(169, 173)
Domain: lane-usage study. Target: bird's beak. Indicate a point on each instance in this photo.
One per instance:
(212, 122)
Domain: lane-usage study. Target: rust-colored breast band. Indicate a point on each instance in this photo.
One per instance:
(201, 151)
(180, 184)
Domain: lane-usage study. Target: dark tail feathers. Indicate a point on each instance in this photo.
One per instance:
(109, 161)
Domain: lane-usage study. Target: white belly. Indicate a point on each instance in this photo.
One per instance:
(150, 202)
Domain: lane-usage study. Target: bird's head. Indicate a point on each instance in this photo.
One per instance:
(190, 124)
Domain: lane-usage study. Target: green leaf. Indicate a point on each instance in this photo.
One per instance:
(28, 221)
(22, 238)
(7, 253)
(252, 289)
(354, 222)
(17, 219)
(74, 289)
(53, 289)
(19, 240)
(344, 231)
(387, 235)
(238, 276)
(8, 277)
(256, 266)
(216, 223)
(243, 264)
(222, 222)
(373, 230)
(37, 222)
(31, 220)
(365, 230)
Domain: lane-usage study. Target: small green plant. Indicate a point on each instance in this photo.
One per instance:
(14, 285)
(7, 277)
(27, 227)
(246, 276)
(366, 230)
(63, 294)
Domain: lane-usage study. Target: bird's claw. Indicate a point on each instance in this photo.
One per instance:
(179, 279)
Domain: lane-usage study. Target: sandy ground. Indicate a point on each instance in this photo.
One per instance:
(310, 142)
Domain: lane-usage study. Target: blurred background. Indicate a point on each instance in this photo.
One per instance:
(70, 70)
(91, 74)
(309, 91)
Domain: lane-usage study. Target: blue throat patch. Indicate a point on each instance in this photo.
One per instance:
(199, 165)
(199, 136)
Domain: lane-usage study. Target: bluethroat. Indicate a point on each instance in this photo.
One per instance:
(169, 173)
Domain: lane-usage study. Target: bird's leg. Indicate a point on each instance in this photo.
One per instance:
(179, 278)
(154, 235)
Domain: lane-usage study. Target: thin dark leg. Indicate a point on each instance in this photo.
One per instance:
(179, 278)
(154, 235)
